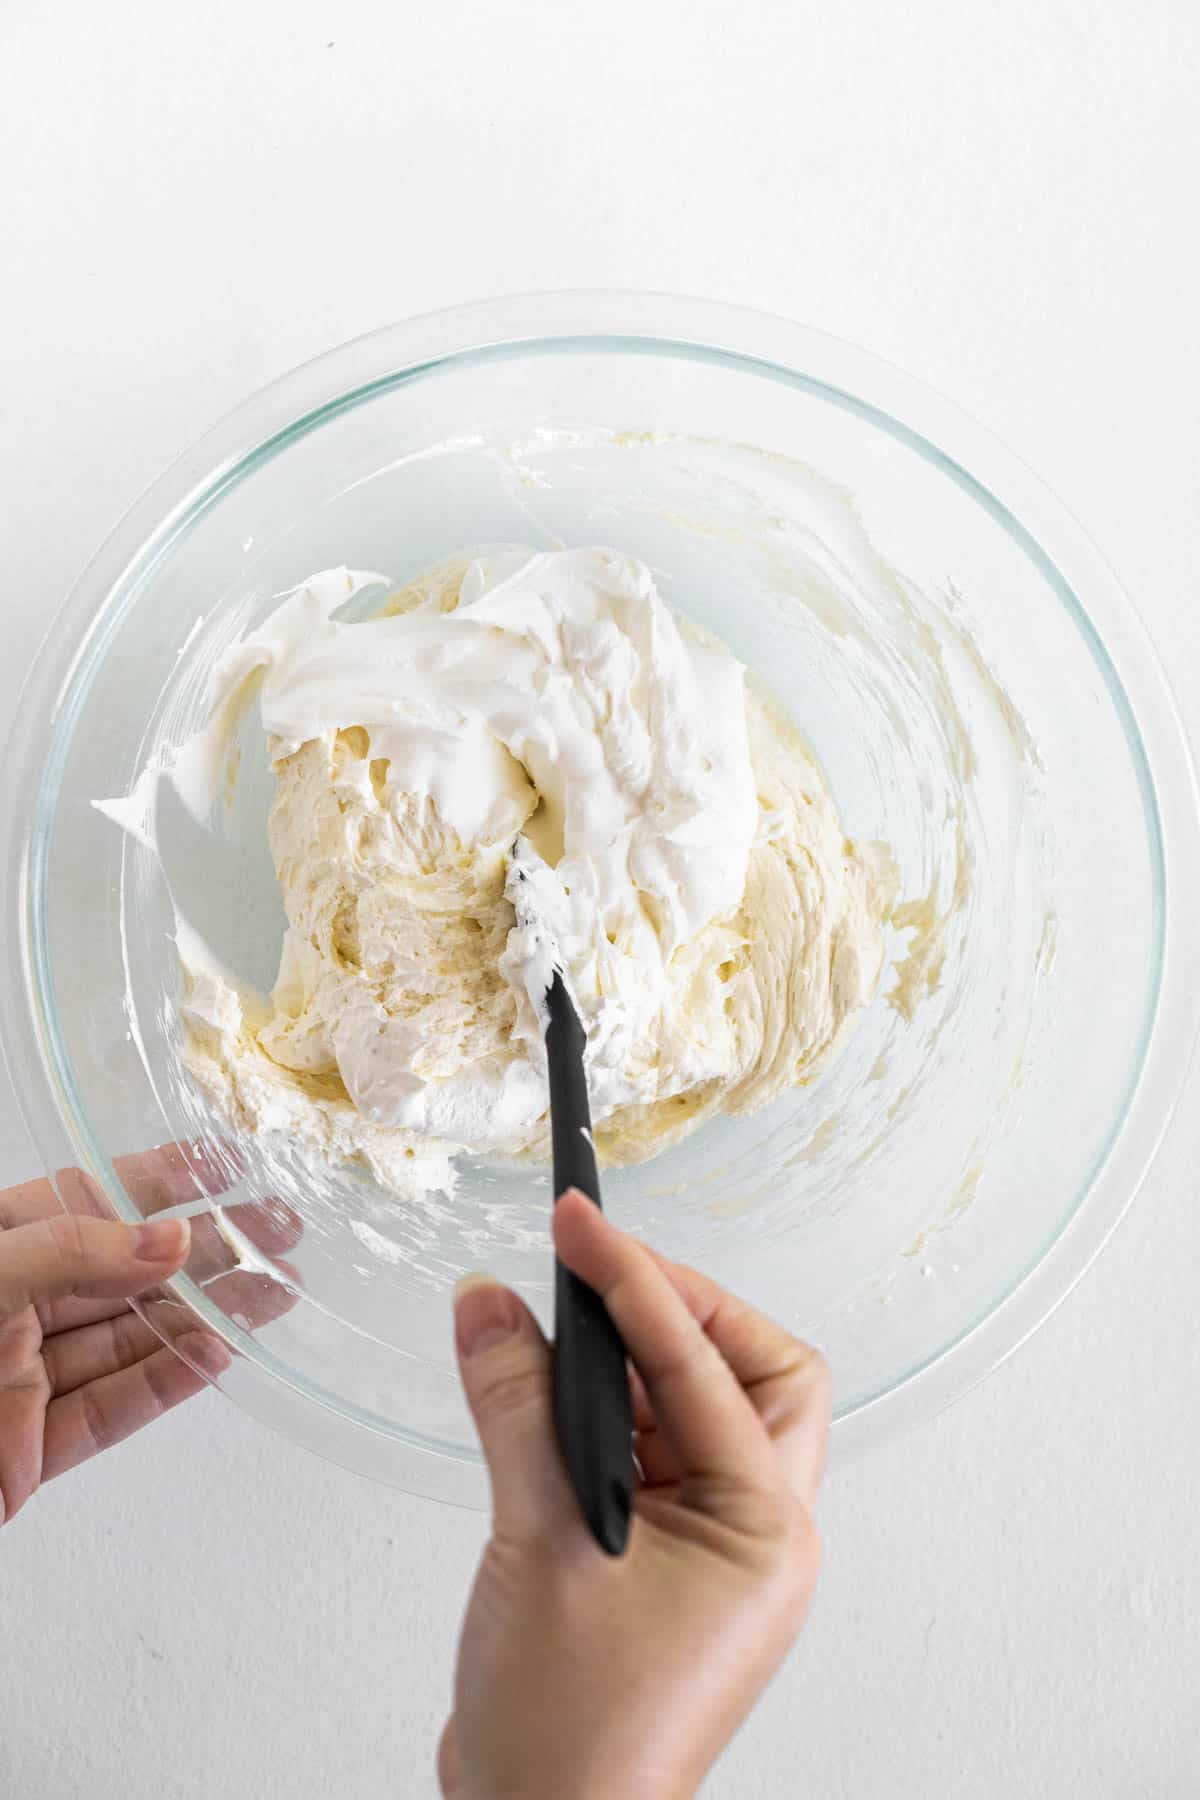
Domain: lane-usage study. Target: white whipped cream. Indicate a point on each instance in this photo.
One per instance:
(681, 860)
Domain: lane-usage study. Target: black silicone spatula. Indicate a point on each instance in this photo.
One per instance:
(592, 1409)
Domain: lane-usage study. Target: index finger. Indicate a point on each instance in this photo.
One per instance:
(94, 1258)
(167, 1175)
(698, 1402)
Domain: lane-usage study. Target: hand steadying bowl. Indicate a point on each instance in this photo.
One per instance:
(971, 681)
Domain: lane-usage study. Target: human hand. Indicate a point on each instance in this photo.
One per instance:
(586, 1676)
(79, 1370)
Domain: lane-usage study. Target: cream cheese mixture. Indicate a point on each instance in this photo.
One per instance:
(716, 928)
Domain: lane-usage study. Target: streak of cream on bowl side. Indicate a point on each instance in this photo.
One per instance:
(915, 654)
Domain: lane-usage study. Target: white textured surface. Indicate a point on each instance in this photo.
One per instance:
(1002, 199)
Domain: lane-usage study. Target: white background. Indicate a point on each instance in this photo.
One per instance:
(1003, 199)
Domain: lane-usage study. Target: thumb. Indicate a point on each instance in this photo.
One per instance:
(92, 1258)
(505, 1364)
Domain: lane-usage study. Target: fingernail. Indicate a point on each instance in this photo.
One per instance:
(485, 1314)
(162, 1240)
(207, 1352)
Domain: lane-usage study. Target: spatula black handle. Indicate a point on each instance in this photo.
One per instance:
(592, 1409)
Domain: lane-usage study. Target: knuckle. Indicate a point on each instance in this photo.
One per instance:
(67, 1237)
(809, 1367)
(787, 1536)
(511, 1387)
(785, 1547)
(121, 1335)
(155, 1371)
(805, 1386)
(94, 1420)
(761, 1515)
(21, 1339)
(775, 1520)
(817, 1371)
(79, 1192)
(694, 1359)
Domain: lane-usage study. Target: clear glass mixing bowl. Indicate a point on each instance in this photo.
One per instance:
(975, 687)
